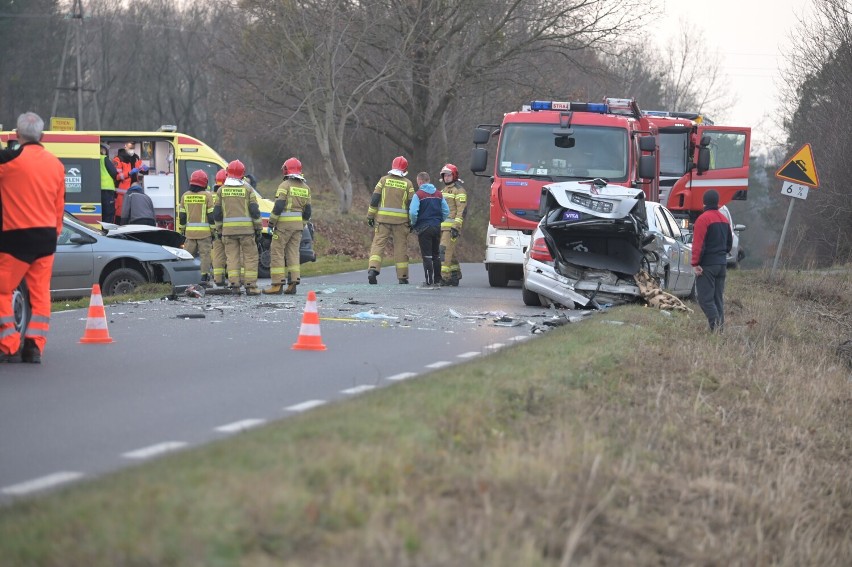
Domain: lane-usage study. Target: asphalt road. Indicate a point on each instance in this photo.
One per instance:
(168, 382)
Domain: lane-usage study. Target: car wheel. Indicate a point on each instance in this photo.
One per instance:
(122, 281)
(497, 275)
(264, 257)
(21, 308)
(530, 298)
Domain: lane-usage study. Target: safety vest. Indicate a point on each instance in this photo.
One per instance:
(107, 182)
(195, 206)
(290, 201)
(394, 194)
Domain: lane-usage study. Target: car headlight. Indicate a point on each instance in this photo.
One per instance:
(501, 241)
(179, 253)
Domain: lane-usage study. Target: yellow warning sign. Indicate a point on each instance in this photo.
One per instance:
(58, 123)
(800, 168)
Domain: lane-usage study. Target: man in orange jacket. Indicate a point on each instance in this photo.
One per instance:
(32, 201)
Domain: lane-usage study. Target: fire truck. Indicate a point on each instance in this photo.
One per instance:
(674, 158)
(551, 141)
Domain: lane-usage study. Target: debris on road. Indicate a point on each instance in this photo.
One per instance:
(373, 314)
(456, 315)
(357, 302)
(191, 316)
(195, 291)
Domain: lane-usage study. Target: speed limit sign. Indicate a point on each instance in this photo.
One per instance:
(794, 190)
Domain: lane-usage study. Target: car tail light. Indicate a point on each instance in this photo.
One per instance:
(540, 252)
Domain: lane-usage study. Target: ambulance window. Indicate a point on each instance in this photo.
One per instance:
(188, 166)
(82, 180)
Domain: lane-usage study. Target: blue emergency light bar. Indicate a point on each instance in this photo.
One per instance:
(600, 108)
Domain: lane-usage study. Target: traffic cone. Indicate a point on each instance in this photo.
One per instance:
(309, 334)
(96, 325)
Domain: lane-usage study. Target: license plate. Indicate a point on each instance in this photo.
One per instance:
(570, 216)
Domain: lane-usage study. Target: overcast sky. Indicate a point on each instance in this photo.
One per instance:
(751, 38)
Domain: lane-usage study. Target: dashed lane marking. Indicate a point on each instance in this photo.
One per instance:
(439, 364)
(154, 450)
(520, 338)
(240, 425)
(495, 346)
(305, 406)
(42, 483)
(358, 389)
(468, 354)
(401, 376)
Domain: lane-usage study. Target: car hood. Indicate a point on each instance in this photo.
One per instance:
(144, 233)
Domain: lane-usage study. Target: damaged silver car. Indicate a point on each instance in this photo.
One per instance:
(594, 238)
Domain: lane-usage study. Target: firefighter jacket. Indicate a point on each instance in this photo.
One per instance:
(389, 203)
(236, 211)
(32, 202)
(456, 197)
(195, 214)
(292, 204)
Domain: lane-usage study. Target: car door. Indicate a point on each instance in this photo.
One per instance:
(670, 246)
(685, 276)
(73, 264)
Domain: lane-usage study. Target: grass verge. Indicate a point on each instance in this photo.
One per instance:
(629, 439)
(143, 293)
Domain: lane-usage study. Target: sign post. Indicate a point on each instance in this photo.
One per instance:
(798, 173)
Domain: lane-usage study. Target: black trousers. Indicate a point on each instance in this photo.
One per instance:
(710, 286)
(107, 206)
(429, 238)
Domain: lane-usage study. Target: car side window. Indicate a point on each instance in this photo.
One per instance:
(661, 222)
(65, 237)
(676, 234)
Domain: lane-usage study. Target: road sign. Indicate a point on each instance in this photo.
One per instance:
(59, 123)
(794, 190)
(800, 168)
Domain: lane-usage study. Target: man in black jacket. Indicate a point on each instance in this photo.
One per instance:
(711, 241)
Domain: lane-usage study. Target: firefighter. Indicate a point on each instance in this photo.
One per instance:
(108, 182)
(218, 253)
(32, 197)
(388, 214)
(195, 218)
(291, 210)
(456, 197)
(237, 218)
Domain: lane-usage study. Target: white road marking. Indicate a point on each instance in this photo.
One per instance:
(42, 483)
(154, 450)
(520, 338)
(439, 364)
(468, 354)
(358, 389)
(402, 376)
(305, 406)
(495, 346)
(240, 425)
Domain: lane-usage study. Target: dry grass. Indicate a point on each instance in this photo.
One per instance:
(649, 443)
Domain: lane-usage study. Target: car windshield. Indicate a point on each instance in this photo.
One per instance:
(71, 219)
(530, 150)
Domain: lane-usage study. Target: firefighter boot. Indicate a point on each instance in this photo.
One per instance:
(273, 289)
(372, 275)
(291, 288)
(205, 281)
(30, 352)
(454, 278)
(235, 289)
(252, 289)
(403, 280)
(11, 358)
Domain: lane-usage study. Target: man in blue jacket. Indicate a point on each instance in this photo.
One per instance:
(711, 242)
(427, 210)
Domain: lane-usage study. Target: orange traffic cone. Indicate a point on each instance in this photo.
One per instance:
(309, 334)
(96, 325)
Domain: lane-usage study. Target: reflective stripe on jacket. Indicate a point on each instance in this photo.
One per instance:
(389, 203)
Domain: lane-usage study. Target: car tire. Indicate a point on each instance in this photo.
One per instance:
(21, 308)
(264, 258)
(122, 281)
(497, 275)
(531, 299)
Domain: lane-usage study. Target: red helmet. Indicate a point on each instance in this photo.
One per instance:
(236, 169)
(198, 178)
(221, 176)
(400, 163)
(292, 167)
(452, 170)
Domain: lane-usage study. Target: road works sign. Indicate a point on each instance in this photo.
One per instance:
(59, 123)
(800, 168)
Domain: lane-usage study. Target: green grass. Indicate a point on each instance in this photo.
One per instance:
(144, 292)
(646, 443)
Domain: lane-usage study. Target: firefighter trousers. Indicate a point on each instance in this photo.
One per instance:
(398, 233)
(449, 262)
(37, 276)
(200, 248)
(241, 247)
(218, 260)
(284, 255)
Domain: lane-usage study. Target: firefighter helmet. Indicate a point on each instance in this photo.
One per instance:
(292, 167)
(400, 164)
(221, 176)
(452, 170)
(198, 178)
(236, 169)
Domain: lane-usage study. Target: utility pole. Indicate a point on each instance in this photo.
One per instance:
(77, 51)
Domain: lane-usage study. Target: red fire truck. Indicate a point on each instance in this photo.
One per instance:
(674, 158)
(550, 141)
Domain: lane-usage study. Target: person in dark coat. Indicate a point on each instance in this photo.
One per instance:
(711, 242)
(138, 207)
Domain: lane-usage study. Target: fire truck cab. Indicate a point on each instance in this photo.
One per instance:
(552, 141)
